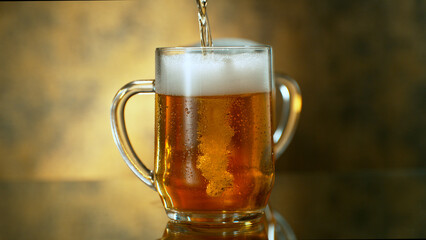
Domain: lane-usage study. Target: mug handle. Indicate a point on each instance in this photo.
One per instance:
(289, 117)
(119, 131)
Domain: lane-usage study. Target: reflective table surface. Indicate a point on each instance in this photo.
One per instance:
(305, 205)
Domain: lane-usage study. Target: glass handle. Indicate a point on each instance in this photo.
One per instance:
(120, 133)
(290, 111)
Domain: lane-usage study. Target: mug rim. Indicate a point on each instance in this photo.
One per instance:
(221, 48)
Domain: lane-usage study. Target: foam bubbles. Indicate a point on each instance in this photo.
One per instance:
(195, 74)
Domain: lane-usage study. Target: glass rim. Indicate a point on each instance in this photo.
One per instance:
(220, 48)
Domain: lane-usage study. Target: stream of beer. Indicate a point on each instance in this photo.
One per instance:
(203, 20)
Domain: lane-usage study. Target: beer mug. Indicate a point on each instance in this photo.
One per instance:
(214, 140)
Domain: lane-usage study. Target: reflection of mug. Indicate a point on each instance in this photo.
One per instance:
(214, 150)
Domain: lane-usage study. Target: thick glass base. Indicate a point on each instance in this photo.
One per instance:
(222, 217)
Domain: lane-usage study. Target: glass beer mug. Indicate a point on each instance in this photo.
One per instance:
(214, 140)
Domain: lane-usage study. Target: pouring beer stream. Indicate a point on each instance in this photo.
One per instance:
(203, 21)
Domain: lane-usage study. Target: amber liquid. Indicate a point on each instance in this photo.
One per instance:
(214, 153)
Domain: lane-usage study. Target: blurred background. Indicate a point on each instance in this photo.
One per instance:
(356, 167)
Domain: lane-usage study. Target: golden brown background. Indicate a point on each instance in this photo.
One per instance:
(356, 166)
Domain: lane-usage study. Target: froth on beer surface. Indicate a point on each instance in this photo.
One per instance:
(213, 74)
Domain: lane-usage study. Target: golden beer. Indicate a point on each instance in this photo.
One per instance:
(213, 153)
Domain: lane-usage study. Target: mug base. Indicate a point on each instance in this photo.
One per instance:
(220, 217)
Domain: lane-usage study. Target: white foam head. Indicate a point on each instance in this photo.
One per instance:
(193, 73)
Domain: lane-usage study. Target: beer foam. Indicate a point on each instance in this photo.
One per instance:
(210, 74)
